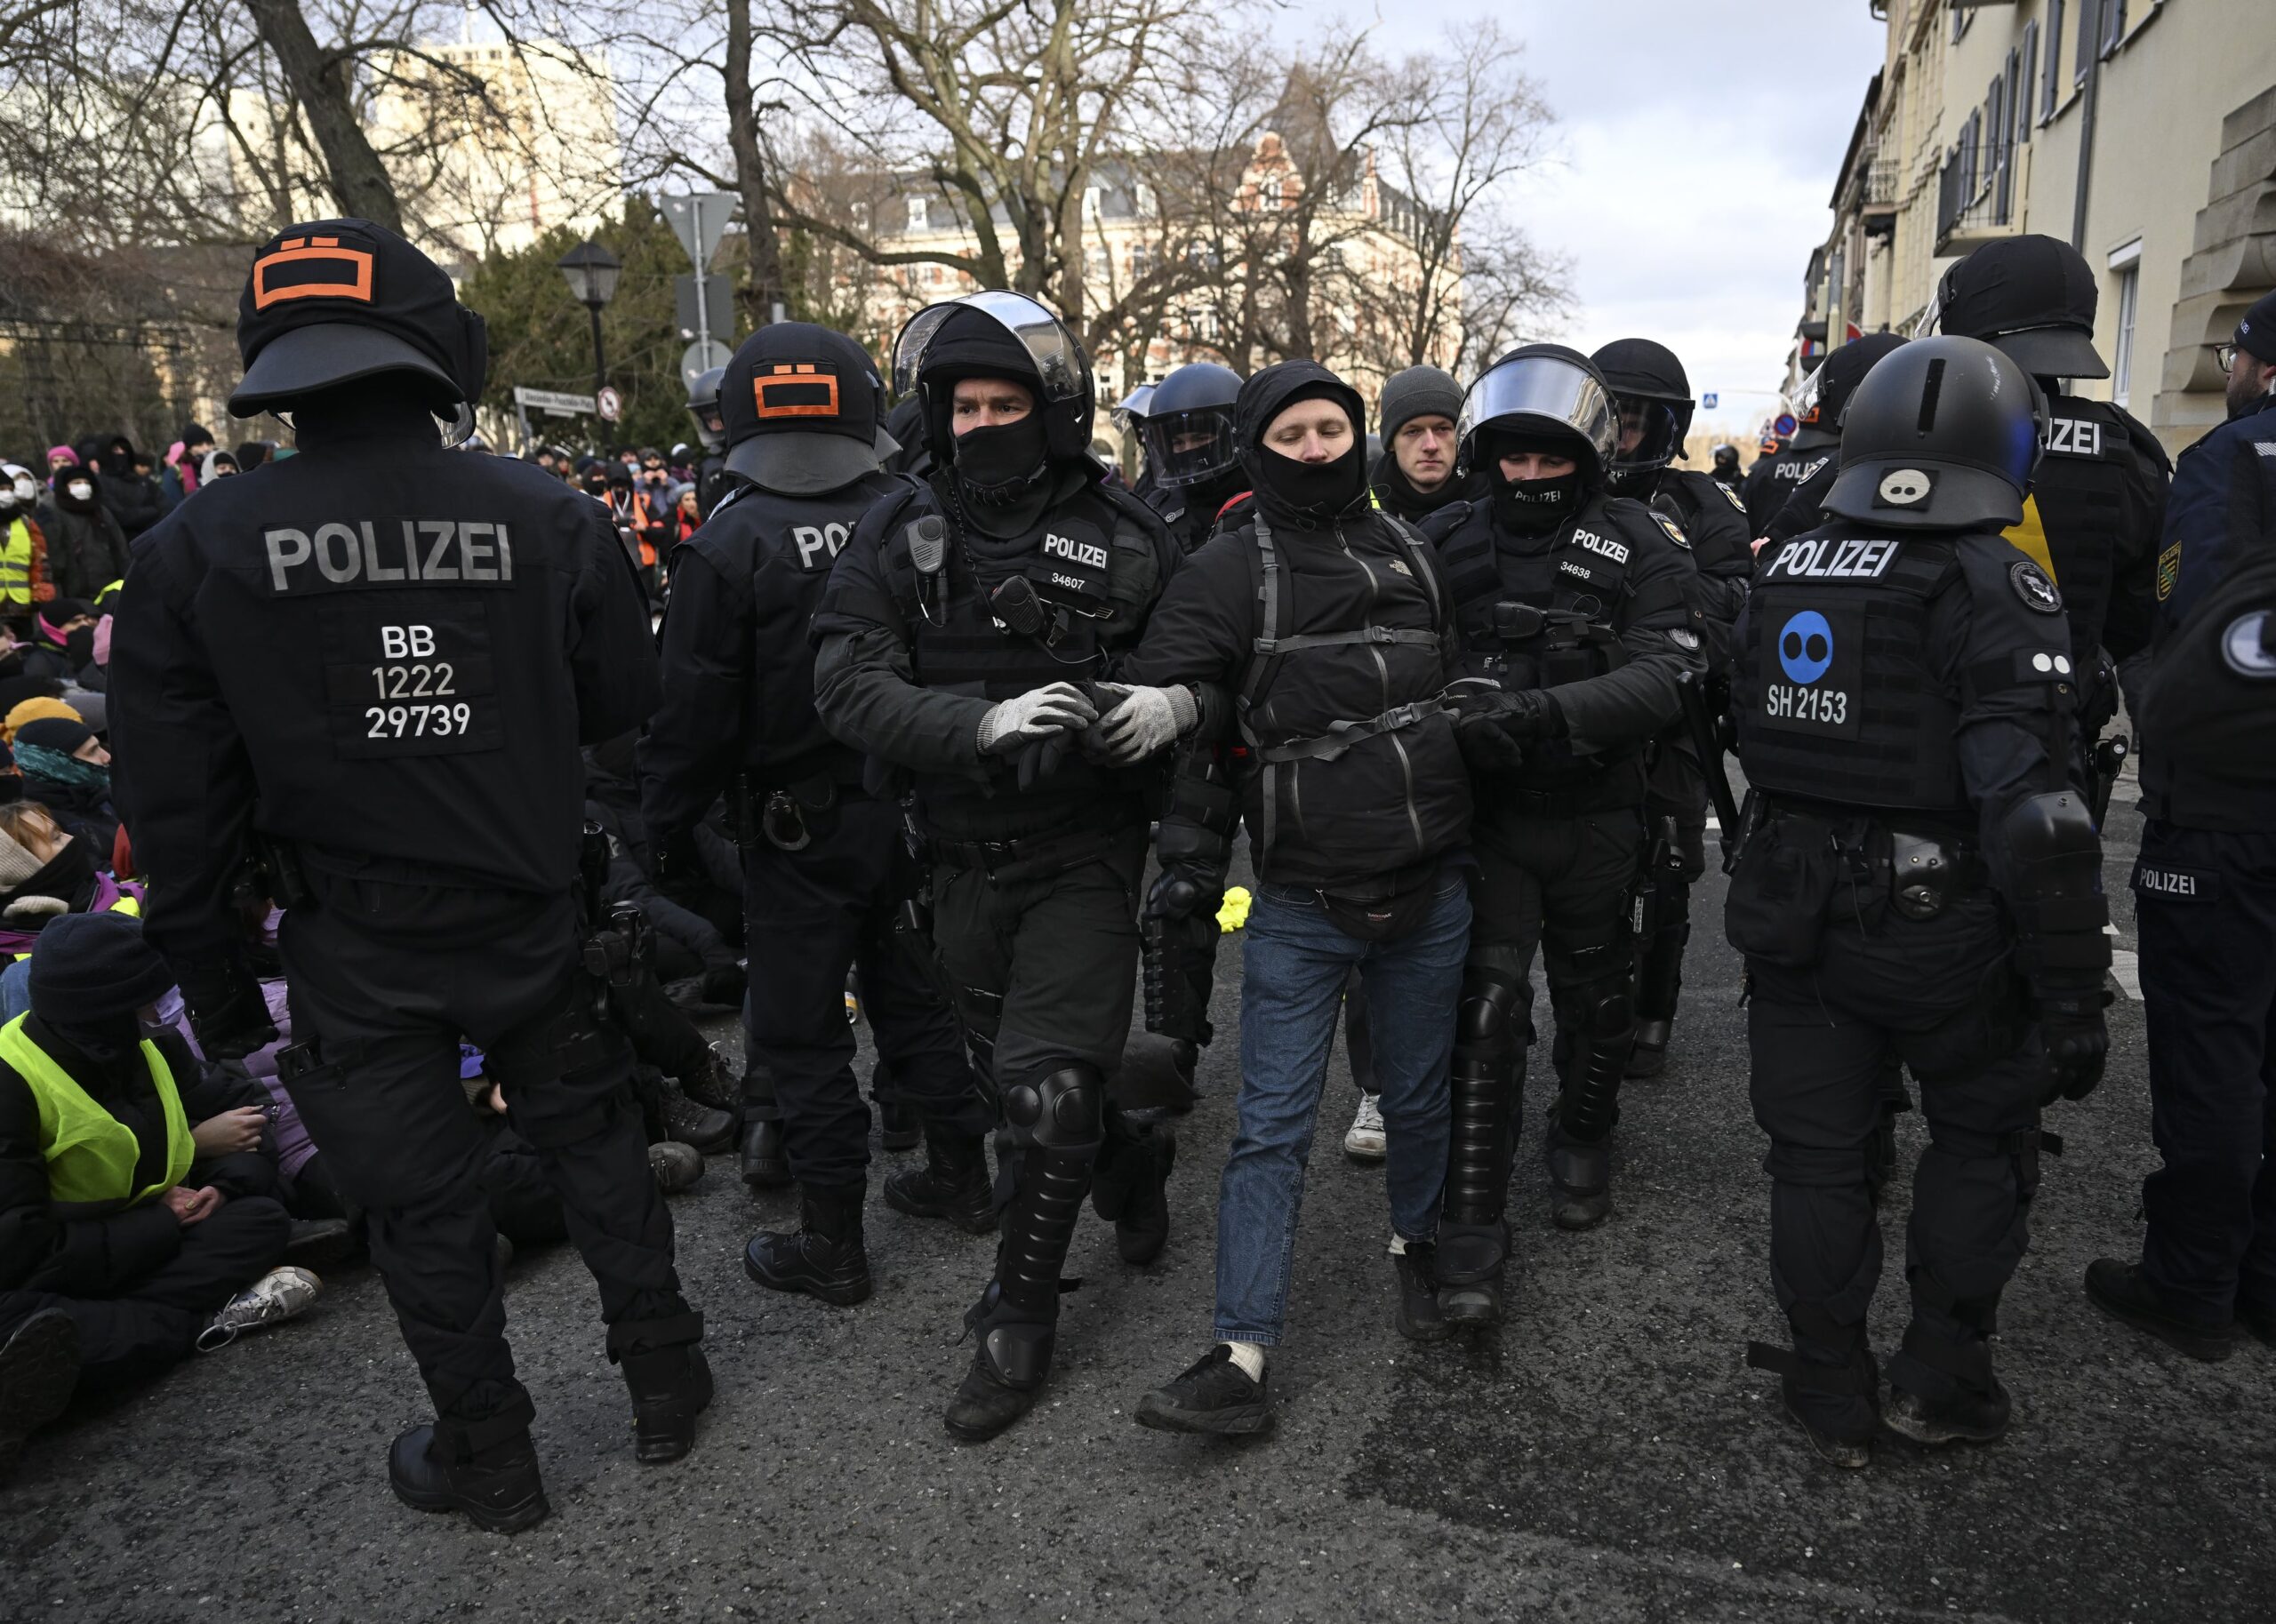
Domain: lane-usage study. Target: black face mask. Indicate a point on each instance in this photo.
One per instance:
(68, 877)
(1310, 493)
(1536, 507)
(997, 464)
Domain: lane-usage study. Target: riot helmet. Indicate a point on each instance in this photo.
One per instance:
(803, 409)
(704, 406)
(1943, 434)
(1727, 458)
(995, 334)
(1188, 432)
(1653, 397)
(1541, 392)
(1826, 394)
(2034, 296)
(333, 301)
(1130, 410)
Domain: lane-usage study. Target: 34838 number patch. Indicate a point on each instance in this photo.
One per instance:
(1813, 667)
(409, 678)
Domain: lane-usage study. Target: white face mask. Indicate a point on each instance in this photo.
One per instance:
(80, 489)
(26, 490)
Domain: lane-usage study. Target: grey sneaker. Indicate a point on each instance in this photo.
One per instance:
(281, 1294)
(1364, 1140)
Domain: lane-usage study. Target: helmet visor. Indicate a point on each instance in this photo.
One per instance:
(1649, 434)
(1547, 391)
(1049, 346)
(1186, 448)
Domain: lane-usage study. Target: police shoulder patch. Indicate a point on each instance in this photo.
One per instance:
(2168, 571)
(2032, 586)
(1731, 495)
(1674, 530)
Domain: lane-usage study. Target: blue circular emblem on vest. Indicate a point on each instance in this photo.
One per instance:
(1806, 646)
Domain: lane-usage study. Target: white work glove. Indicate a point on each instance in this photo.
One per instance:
(1034, 717)
(1142, 721)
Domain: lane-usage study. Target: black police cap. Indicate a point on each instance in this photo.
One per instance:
(330, 301)
(2256, 331)
(802, 407)
(2032, 296)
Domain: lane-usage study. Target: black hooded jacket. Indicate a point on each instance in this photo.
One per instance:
(1394, 492)
(1393, 800)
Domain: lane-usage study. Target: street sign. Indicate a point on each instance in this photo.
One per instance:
(609, 404)
(1709, 399)
(1785, 425)
(698, 219)
(553, 403)
(701, 358)
(716, 318)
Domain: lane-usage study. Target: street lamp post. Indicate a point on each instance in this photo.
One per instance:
(592, 272)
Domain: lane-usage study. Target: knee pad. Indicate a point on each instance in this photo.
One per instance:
(1482, 1017)
(1598, 997)
(2021, 1146)
(1060, 1110)
(1816, 1167)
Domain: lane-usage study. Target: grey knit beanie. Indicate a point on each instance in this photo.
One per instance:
(1419, 391)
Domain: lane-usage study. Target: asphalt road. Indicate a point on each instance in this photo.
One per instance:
(1607, 1457)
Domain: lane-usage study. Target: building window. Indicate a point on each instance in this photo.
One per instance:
(916, 215)
(2126, 264)
(2113, 25)
(2051, 86)
(2023, 70)
(2082, 58)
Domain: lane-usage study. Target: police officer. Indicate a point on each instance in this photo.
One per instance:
(1780, 465)
(2097, 501)
(1128, 418)
(1919, 884)
(2205, 886)
(1726, 471)
(968, 637)
(711, 432)
(1193, 467)
(825, 865)
(1653, 397)
(1824, 398)
(1577, 619)
(374, 661)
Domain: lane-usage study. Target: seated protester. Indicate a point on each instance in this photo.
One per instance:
(62, 651)
(1359, 808)
(66, 769)
(86, 545)
(22, 698)
(44, 875)
(135, 1224)
(217, 465)
(698, 937)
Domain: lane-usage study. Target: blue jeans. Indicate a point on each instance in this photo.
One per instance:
(1294, 963)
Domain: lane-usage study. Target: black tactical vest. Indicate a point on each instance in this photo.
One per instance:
(960, 644)
(784, 547)
(2077, 508)
(1834, 701)
(1546, 616)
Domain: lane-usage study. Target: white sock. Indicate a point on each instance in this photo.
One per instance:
(1250, 1357)
(1398, 1247)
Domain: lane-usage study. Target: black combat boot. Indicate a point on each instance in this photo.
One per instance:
(1213, 1395)
(823, 1256)
(1130, 1189)
(766, 1166)
(1580, 1179)
(1649, 1057)
(669, 1381)
(953, 1183)
(1007, 1371)
(715, 1081)
(487, 1469)
(2122, 1291)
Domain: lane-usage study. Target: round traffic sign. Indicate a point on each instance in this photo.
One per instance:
(609, 404)
(1785, 425)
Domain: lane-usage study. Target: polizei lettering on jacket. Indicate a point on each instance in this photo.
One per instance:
(1822, 558)
(1617, 551)
(2072, 436)
(1089, 555)
(347, 555)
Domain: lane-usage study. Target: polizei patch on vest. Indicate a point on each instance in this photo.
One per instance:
(369, 555)
(1603, 546)
(2031, 584)
(1824, 558)
(2171, 884)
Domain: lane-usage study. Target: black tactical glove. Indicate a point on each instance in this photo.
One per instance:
(227, 1010)
(1180, 891)
(2077, 1041)
(1524, 716)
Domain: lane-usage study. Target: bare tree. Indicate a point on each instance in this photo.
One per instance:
(323, 81)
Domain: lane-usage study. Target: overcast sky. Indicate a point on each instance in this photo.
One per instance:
(1700, 140)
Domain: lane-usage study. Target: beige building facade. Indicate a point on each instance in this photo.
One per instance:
(2141, 131)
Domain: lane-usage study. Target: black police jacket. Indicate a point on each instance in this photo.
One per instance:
(907, 665)
(1602, 611)
(1713, 519)
(1773, 479)
(1398, 794)
(737, 663)
(382, 651)
(1917, 671)
(2097, 502)
(1195, 514)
